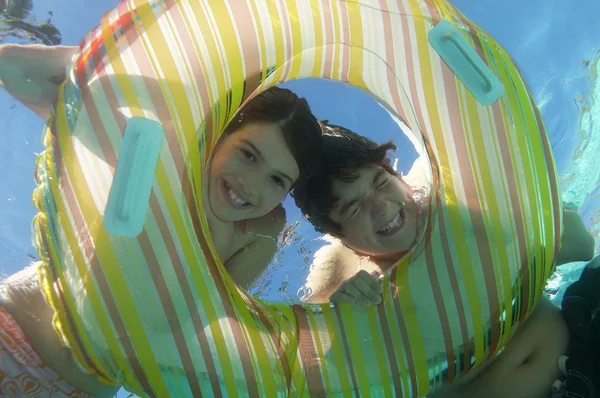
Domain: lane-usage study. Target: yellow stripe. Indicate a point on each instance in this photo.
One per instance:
(413, 329)
(336, 29)
(519, 140)
(356, 63)
(296, 40)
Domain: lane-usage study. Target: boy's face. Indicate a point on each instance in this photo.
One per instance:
(251, 171)
(377, 213)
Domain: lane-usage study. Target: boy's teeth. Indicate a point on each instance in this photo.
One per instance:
(392, 224)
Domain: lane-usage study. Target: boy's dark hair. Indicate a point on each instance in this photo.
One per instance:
(344, 153)
(292, 114)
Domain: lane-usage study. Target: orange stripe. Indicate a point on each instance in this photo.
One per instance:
(344, 337)
(329, 39)
(410, 69)
(390, 351)
(433, 10)
(439, 303)
(194, 60)
(168, 306)
(308, 353)
(473, 204)
(285, 20)
(505, 151)
(242, 18)
(64, 307)
(345, 61)
(281, 349)
(390, 44)
(460, 307)
(397, 308)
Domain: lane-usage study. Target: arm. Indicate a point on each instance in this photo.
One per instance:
(32, 73)
(335, 268)
(577, 242)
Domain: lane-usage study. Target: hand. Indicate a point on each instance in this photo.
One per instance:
(33, 73)
(362, 288)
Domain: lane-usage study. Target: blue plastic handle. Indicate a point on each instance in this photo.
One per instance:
(129, 197)
(466, 64)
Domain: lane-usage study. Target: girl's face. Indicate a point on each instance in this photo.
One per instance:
(251, 171)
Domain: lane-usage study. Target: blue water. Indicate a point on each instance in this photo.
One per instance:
(556, 45)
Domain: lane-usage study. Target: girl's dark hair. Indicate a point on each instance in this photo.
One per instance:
(293, 116)
(344, 153)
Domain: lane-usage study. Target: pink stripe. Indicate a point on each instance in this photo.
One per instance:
(287, 33)
(410, 68)
(329, 39)
(345, 61)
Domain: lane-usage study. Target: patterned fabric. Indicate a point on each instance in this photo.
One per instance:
(22, 371)
(159, 313)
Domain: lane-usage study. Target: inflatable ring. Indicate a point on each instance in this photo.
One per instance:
(155, 310)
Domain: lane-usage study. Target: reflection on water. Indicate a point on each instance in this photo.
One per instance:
(581, 181)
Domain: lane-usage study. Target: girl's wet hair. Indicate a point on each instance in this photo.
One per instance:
(293, 116)
(344, 153)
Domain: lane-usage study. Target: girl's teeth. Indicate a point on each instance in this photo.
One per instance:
(234, 197)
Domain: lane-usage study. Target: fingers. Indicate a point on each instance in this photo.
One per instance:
(361, 289)
(342, 297)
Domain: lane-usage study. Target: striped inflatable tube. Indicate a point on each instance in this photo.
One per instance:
(158, 314)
